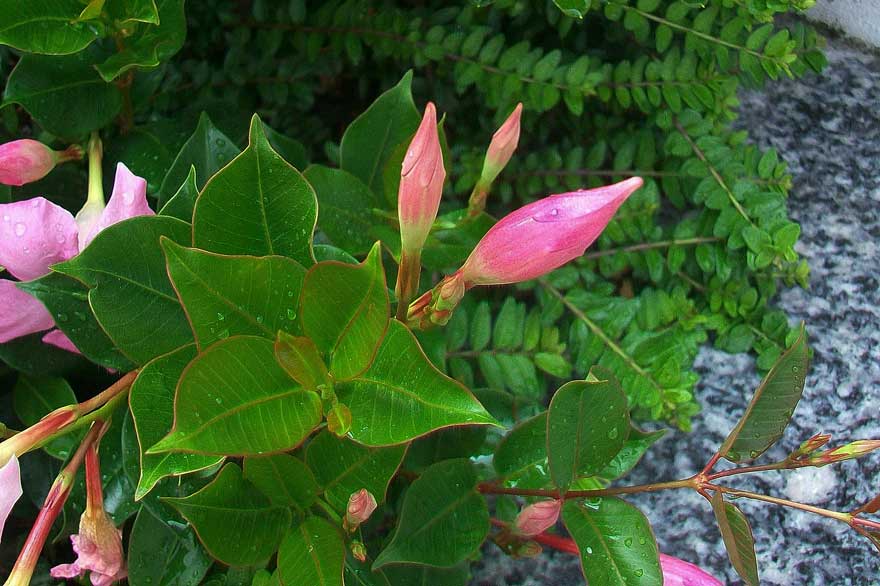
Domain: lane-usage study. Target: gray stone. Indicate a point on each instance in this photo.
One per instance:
(828, 129)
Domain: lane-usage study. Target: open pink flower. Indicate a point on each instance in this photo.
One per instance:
(36, 234)
(677, 572)
(10, 489)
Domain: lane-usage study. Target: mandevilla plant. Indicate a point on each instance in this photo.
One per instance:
(252, 364)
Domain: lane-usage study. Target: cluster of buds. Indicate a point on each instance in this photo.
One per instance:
(808, 453)
(25, 161)
(526, 244)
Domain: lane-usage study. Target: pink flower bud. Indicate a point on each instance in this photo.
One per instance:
(421, 183)
(361, 505)
(359, 551)
(537, 518)
(811, 445)
(850, 451)
(25, 161)
(544, 235)
(502, 147)
(678, 572)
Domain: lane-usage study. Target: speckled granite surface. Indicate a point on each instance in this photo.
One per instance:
(828, 129)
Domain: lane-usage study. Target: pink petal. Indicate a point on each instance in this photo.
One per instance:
(60, 339)
(129, 199)
(20, 314)
(35, 234)
(10, 489)
(66, 571)
(677, 572)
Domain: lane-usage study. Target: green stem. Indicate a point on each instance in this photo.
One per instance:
(844, 517)
(96, 185)
(487, 488)
(325, 506)
(652, 245)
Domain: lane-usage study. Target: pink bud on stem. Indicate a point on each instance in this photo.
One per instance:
(501, 149)
(25, 161)
(526, 244)
(54, 503)
(361, 505)
(418, 199)
(537, 517)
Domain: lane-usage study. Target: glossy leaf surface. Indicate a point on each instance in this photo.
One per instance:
(312, 553)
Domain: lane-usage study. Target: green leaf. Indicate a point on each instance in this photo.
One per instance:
(206, 151)
(616, 543)
(343, 467)
(344, 310)
(301, 360)
(234, 295)
(162, 554)
(151, 400)
(632, 451)
(284, 479)
(44, 26)
(370, 141)
(134, 300)
(573, 8)
(150, 45)
(236, 524)
(587, 425)
(181, 204)
(312, 553)
(738, 539)
(68, 301)
(234, 399)
(444, 520)
(290, 150)
(346, 205)
(771, 408)
(64, 94)
(523, 447)
(426, 576)
(402, 395)
(258, 204)
(37, 397)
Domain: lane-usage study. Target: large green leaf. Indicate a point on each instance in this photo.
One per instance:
(34, 398)
(346, 205)
(206, 151)
(234, 521)
(258, 204)
(444, 519)
(234, 399)
(587, 425)
(343, 467)
(738, 539)
(369, 142)
(403, 396)
(427, 576)
(284, 479)
(234, 295)
(632, 451)
(344, 310)
(616, 543)
(151, 400)
(164, 554)
(312, 553)
(44, 26)
(130, 293)
(150, 44)
(68, 301)
(772, 406)
(64, 94)
(181, 204)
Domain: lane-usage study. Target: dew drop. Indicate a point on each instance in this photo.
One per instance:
(291, 314)
(628, 542)
(20, 229)
(259, 319)
(642, 541)
(639, 572)
(613, 433)
(220, 316)
(554, 212)
(6, 217)
(589, 551)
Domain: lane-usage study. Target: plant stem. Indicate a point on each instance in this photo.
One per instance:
(652, 245)
(487, 488)
(845, 517)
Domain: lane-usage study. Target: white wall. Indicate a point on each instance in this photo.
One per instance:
(857, 18)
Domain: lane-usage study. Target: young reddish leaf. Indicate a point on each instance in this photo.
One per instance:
(771, 408)
(738, 539)
(299, 357)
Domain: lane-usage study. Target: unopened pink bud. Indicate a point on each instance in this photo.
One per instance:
(25, 161)
(502, 147)
(544, 235)
(421, 183)
(361, 505)
(537, 518)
